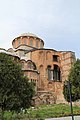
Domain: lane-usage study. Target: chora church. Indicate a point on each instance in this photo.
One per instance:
(48, 68)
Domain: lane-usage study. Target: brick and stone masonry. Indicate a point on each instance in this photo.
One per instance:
(48, 68)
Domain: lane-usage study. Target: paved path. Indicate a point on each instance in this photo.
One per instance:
(64, 118)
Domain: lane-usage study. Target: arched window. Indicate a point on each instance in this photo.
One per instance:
(50, 73)
(54, 74)
(57, 73)
(31, 42)
(41, 55)
(25, 41)
(41, 45)
(22, 65)
(37, 43)
(31, 65)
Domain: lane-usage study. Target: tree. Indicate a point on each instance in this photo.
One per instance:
(74, 79)
(16, 91)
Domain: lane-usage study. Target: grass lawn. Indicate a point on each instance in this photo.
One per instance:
(49, 111)
(44, 111)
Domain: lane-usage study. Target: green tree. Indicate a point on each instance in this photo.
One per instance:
(16, 91)
(74, 78)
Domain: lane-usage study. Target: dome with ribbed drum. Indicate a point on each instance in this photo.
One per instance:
(28, 39)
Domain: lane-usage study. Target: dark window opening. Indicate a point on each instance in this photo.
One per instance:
(55, 58)
(50, 73)
(57, 74)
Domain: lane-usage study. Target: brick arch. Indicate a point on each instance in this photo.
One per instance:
(50, 72)
(57, 72)
(41, 69)
(48, 55)
(31, 42)
(41, 54)
(31, 65)
(23, 63)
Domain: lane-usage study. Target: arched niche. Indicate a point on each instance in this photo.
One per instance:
(48, 55)
(41, 55)
(41, 69)
(31, 65)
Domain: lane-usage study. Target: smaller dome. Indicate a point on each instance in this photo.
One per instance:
(28, 34)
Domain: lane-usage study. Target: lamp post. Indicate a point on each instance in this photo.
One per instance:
(70, 94)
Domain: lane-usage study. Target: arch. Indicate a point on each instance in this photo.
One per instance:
(19, 41)
(41, 55)
(23, 63)
(50, 72)
(48, 54)
(31, 65)
(41, 44)
(41, 69)
(37, 43)
(56, 73)
(25, 41)
(31, 42)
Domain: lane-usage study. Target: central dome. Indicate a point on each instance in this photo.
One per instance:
(28, 39)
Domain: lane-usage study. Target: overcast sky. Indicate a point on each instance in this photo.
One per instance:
(57, 22)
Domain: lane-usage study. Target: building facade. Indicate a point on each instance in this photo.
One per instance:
(48, 68)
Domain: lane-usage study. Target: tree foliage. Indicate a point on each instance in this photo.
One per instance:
(74, 78)
(16, 91)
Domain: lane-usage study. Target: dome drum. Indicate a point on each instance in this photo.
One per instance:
(30, 40)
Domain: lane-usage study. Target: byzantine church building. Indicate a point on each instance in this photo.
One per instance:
(47, 68)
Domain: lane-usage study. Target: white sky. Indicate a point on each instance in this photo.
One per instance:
(57, 22)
